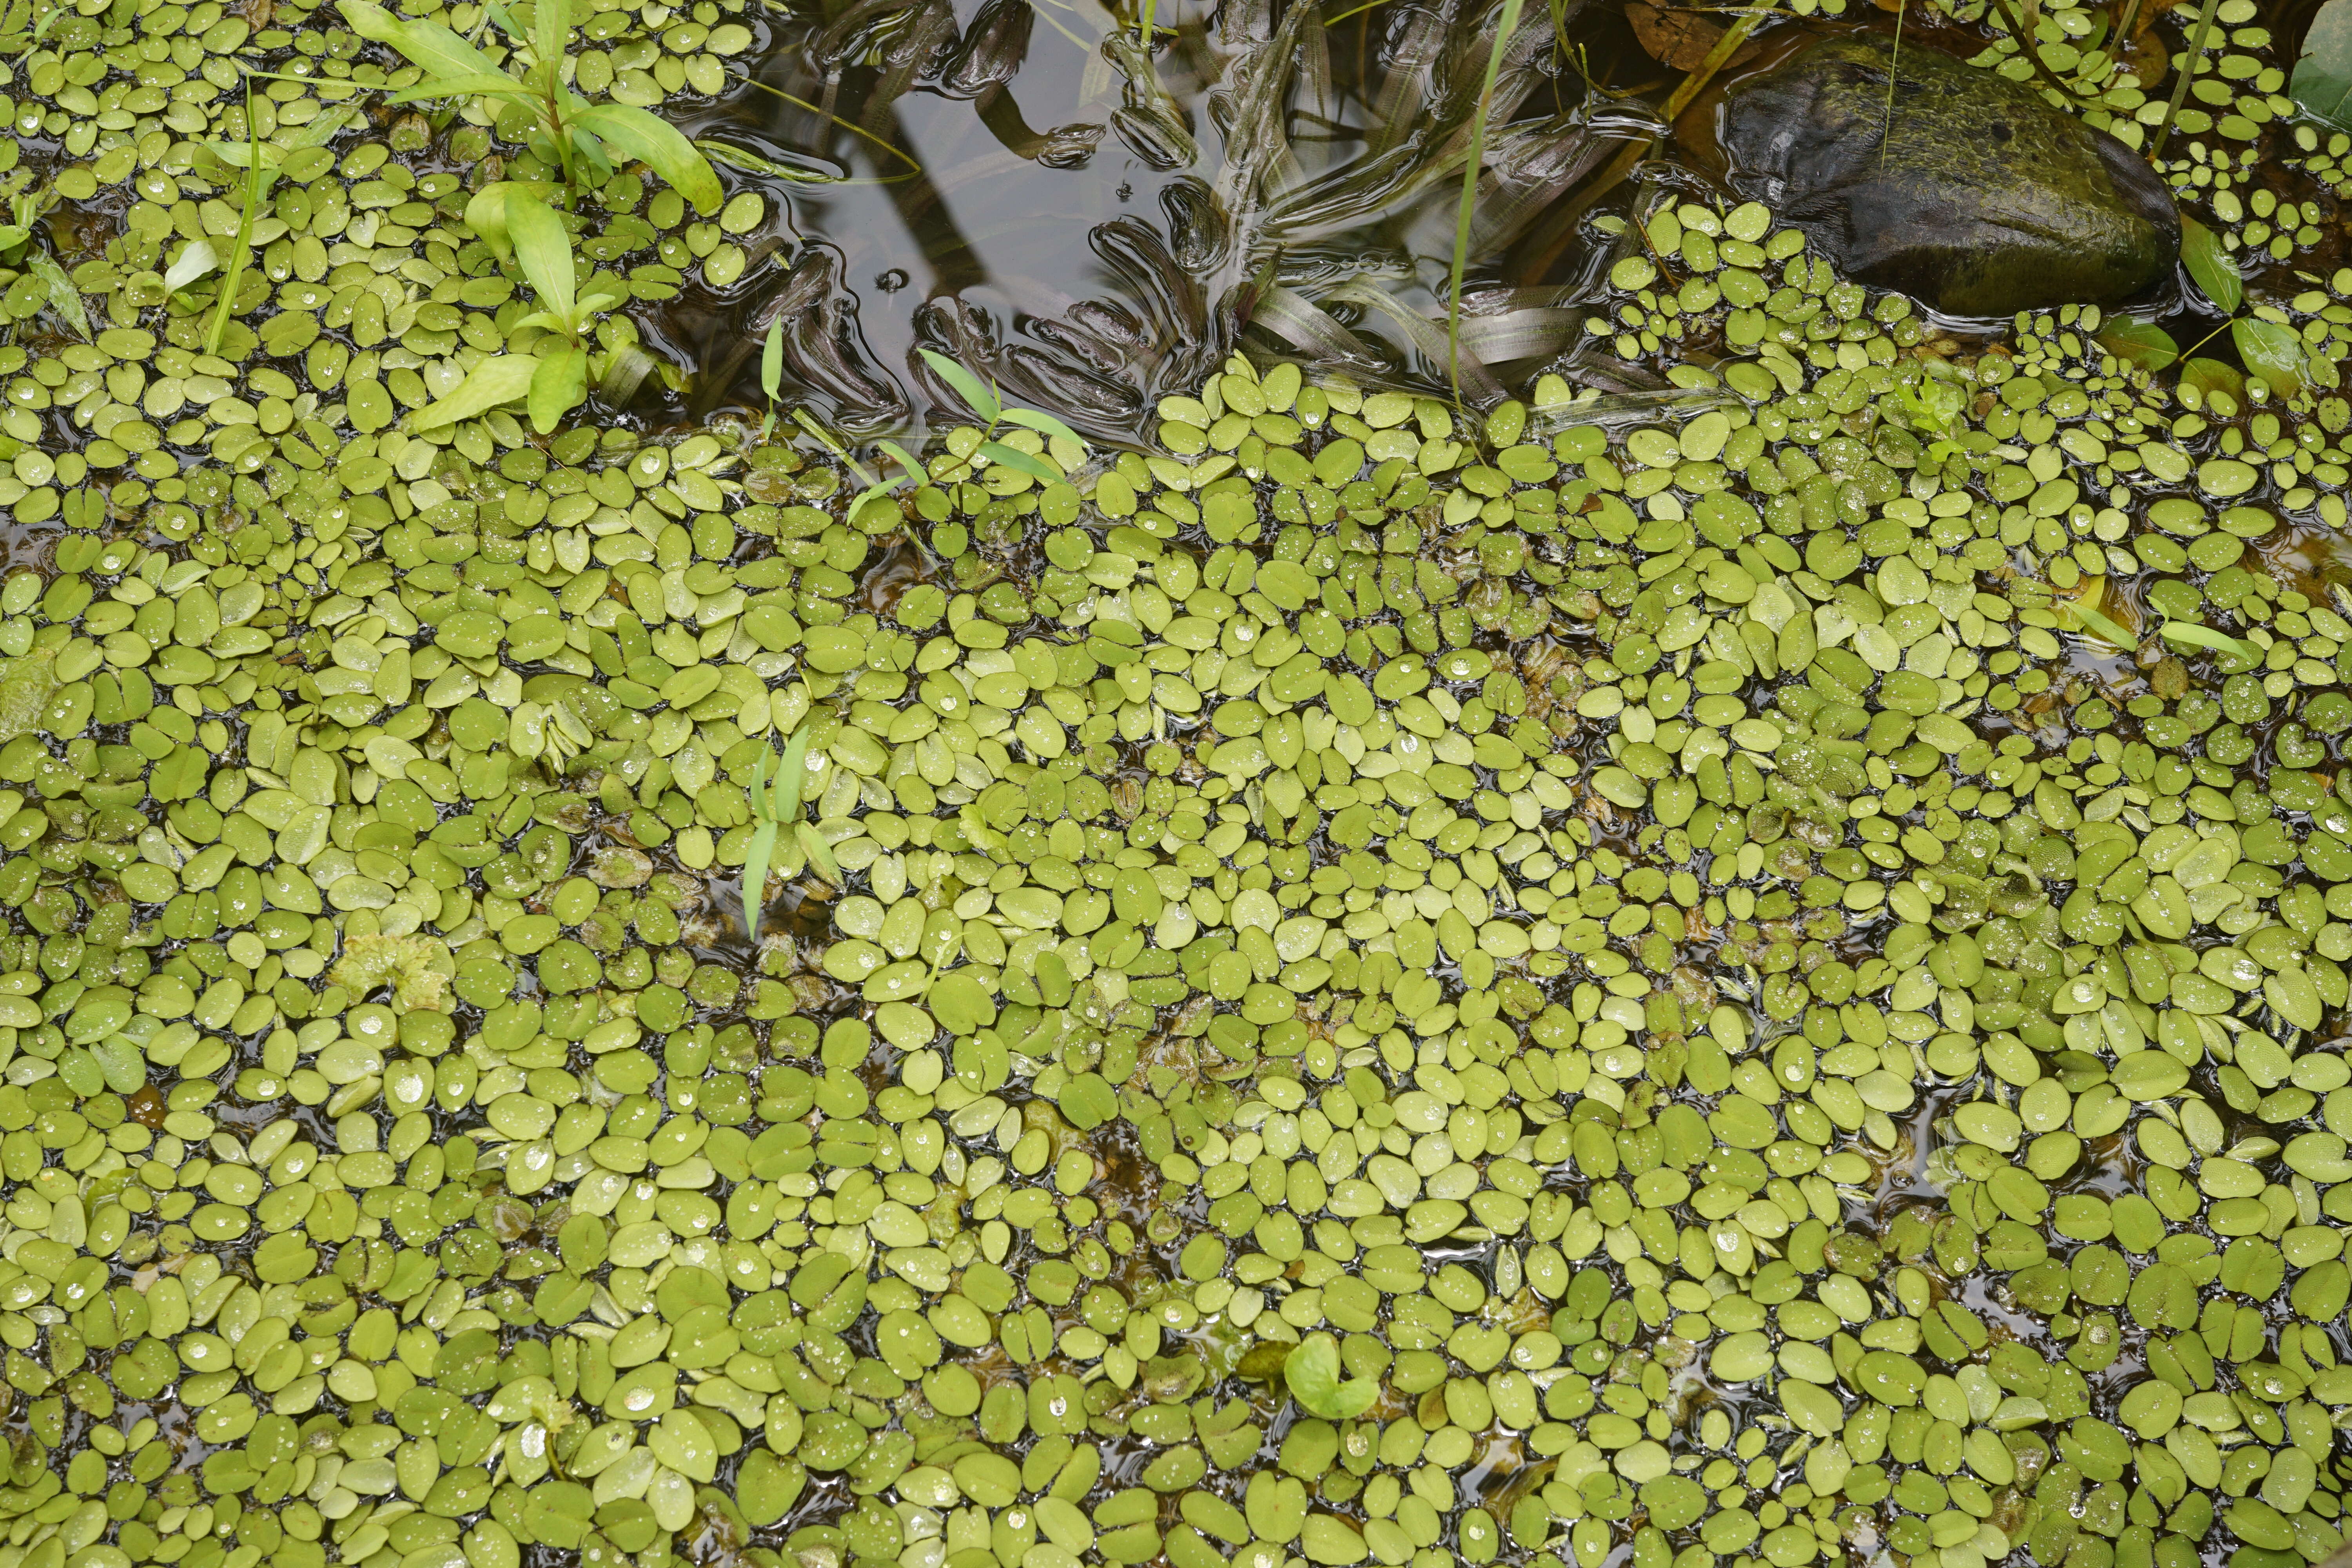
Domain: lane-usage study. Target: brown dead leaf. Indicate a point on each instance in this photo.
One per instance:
(2145, 56)
(1679, 38)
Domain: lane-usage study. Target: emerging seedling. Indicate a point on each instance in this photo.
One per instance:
(772, 810)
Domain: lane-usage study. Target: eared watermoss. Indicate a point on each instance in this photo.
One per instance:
(1751, 971)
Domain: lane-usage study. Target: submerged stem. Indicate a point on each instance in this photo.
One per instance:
(2187, 75)
(1478, 155)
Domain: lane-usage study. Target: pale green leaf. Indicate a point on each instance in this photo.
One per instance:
(819, 852)
(772, 360)
(441, 52)
(543, 249)
(755, 876)
(976, 394)
(63, 298)
(1312, 1373)
(795, 773)
(2196, 636)
(1021, 462)
(656, 142)
(196, 260)
(499, 379)
(559, 385)
(1045, 425)
(2213, 267)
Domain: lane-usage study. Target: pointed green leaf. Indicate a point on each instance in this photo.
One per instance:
(2213, 267)
(795, 773)
(496, 380)
(2102, 628)
(195, 261)
(755, 876)
(2142, 344)
(1312, 1374)
(551, 21)
(2211, 375)
(819, 852)
(2273, 352)
(559, 385)
(976, 394)
(1021, 462)
(904, 458)
(772, 360)
(1045, 425)
(543, 249)
(635, 133)
(488, 84)
(441, 52)
(2322, 83)
(759, 781)
(63, 298)
(2196, 636)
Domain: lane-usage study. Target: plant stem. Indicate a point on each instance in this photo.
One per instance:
(1893, 64)
(2030, 49)
(1477, 156)
(2188, 74)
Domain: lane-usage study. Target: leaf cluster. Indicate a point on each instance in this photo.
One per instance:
(773, 808)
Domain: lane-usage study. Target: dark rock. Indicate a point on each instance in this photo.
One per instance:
(1982, 201)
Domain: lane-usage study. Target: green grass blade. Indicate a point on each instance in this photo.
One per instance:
(760, 781)
(1045, 425)
(2197, 636)
(755, 876)
(978, 394)
(1028, 463)
(819, 853)
(772, 360)
(1471, 165)
(795, 773)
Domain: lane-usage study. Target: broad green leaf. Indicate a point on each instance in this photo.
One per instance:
(2211, 375)
(2142, 344)
(486, 84)
(2195, 636)
(795, 773)
(2215, 270)
(543, 249)
(63, 298)
(976, 394)
(12, 235)
(755, 876)
(1312, 1373)
(2273, 352)
(636, 133)
(551, 22)
(441, 52)
(195, 261)
(1046, 424)
(819, 852)
(559, 385)
(772, 360)
(499, 379)
(1021, 462)
(2322, 83)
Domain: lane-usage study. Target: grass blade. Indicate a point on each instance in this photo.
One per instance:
(978, 395)
(2197, 636)
(795, 774)
(772, 360)
(2187, 75)
(1045, 425)
(1021, 462)
(755, 876)
(1471, 164)
(819, 853)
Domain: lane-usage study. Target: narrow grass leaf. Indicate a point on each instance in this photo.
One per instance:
(1463, 214)
(772, 360)
(2197, 636)
(819, 852)
(1045, 424)
(1021, 462)
(976, 394)
(795, 774)
(2103, 629)
(755, 876)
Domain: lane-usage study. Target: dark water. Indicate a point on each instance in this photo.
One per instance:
(1014, 184)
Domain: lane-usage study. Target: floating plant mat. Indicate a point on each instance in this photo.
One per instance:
(1745, 974)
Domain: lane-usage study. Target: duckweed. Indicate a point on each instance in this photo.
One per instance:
(1745, 974)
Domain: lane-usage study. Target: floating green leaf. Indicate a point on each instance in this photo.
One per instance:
(2322, 82)
(499, 379)
(2212, 267)
(2272, 351)
(1312, 1374)
(2142, 344)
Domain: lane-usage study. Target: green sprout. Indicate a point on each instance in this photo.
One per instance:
(578, 134)
(771, 809)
